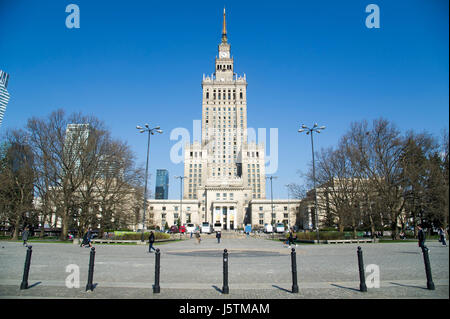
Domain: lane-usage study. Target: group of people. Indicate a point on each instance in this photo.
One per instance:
(421, 237)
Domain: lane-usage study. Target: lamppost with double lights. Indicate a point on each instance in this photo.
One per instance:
(151, 131)
(308, 131)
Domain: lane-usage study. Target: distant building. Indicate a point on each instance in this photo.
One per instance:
(4, 95)
(75, 142)
(162, 184)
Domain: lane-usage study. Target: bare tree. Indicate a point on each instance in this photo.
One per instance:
(16, 181)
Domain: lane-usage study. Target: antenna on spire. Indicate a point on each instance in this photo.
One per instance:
(224, 28)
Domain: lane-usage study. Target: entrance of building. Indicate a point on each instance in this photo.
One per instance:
(224, 214)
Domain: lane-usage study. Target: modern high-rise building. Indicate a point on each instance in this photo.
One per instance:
(162, 184)
(4, 95)
(75, 142)
(224, 173)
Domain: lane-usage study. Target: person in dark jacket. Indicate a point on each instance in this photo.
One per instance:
(218, 236)
(151, 240)
(421, 238)
(442, 236)
(25, 235)
(87, 239)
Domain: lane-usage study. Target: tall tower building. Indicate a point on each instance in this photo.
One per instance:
(224, 180)
(162, 184)
(224, 172)
(4, 95)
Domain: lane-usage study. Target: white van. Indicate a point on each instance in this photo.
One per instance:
(206, 228)
(280, 228)
(190, 228)
(268, 228)
(217, 227)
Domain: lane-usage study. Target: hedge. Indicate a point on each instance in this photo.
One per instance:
(138, 236)
(324, 235)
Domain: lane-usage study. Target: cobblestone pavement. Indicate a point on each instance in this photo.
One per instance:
(258, 269)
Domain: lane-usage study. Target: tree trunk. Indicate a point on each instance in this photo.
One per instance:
(42, 228)
(372, 224)
(16, 227)
(65, 226)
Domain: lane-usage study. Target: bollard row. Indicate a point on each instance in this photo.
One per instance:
(225, 288)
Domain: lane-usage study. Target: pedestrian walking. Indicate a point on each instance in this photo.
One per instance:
(151, 240)
(87, 239)
(442, 236)
(421, 238)
(197, 235)
(218, 236)
(25, 235)
(291, 238)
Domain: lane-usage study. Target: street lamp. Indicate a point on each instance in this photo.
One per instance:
(308, 131)
(288, 186)
(151, 131)
(271, 198)
(181, 199)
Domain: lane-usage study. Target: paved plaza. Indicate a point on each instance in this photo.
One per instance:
(258, 269)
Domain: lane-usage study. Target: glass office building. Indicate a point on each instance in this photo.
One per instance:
(162, 184)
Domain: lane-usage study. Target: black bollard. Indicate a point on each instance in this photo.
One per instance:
(90, 285)
(426, 259)
(26, 270)
(362, 277)
(156, 288)
(294, 271)
(225, 289)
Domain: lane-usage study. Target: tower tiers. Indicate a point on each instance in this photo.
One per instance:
(224, 172)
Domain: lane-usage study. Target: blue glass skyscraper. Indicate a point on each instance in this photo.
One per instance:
(4, 95)
(162, 184)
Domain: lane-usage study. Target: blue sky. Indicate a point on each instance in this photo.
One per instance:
(133, 62)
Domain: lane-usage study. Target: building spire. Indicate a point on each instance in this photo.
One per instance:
(224, 28)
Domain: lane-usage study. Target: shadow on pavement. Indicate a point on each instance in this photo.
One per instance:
(217, 288)
(35, 284)
(283, 289)
(354, 289)
(409, 286)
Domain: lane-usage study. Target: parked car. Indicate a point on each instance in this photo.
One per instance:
(268, 228)
(182, 229)
(173, 229)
